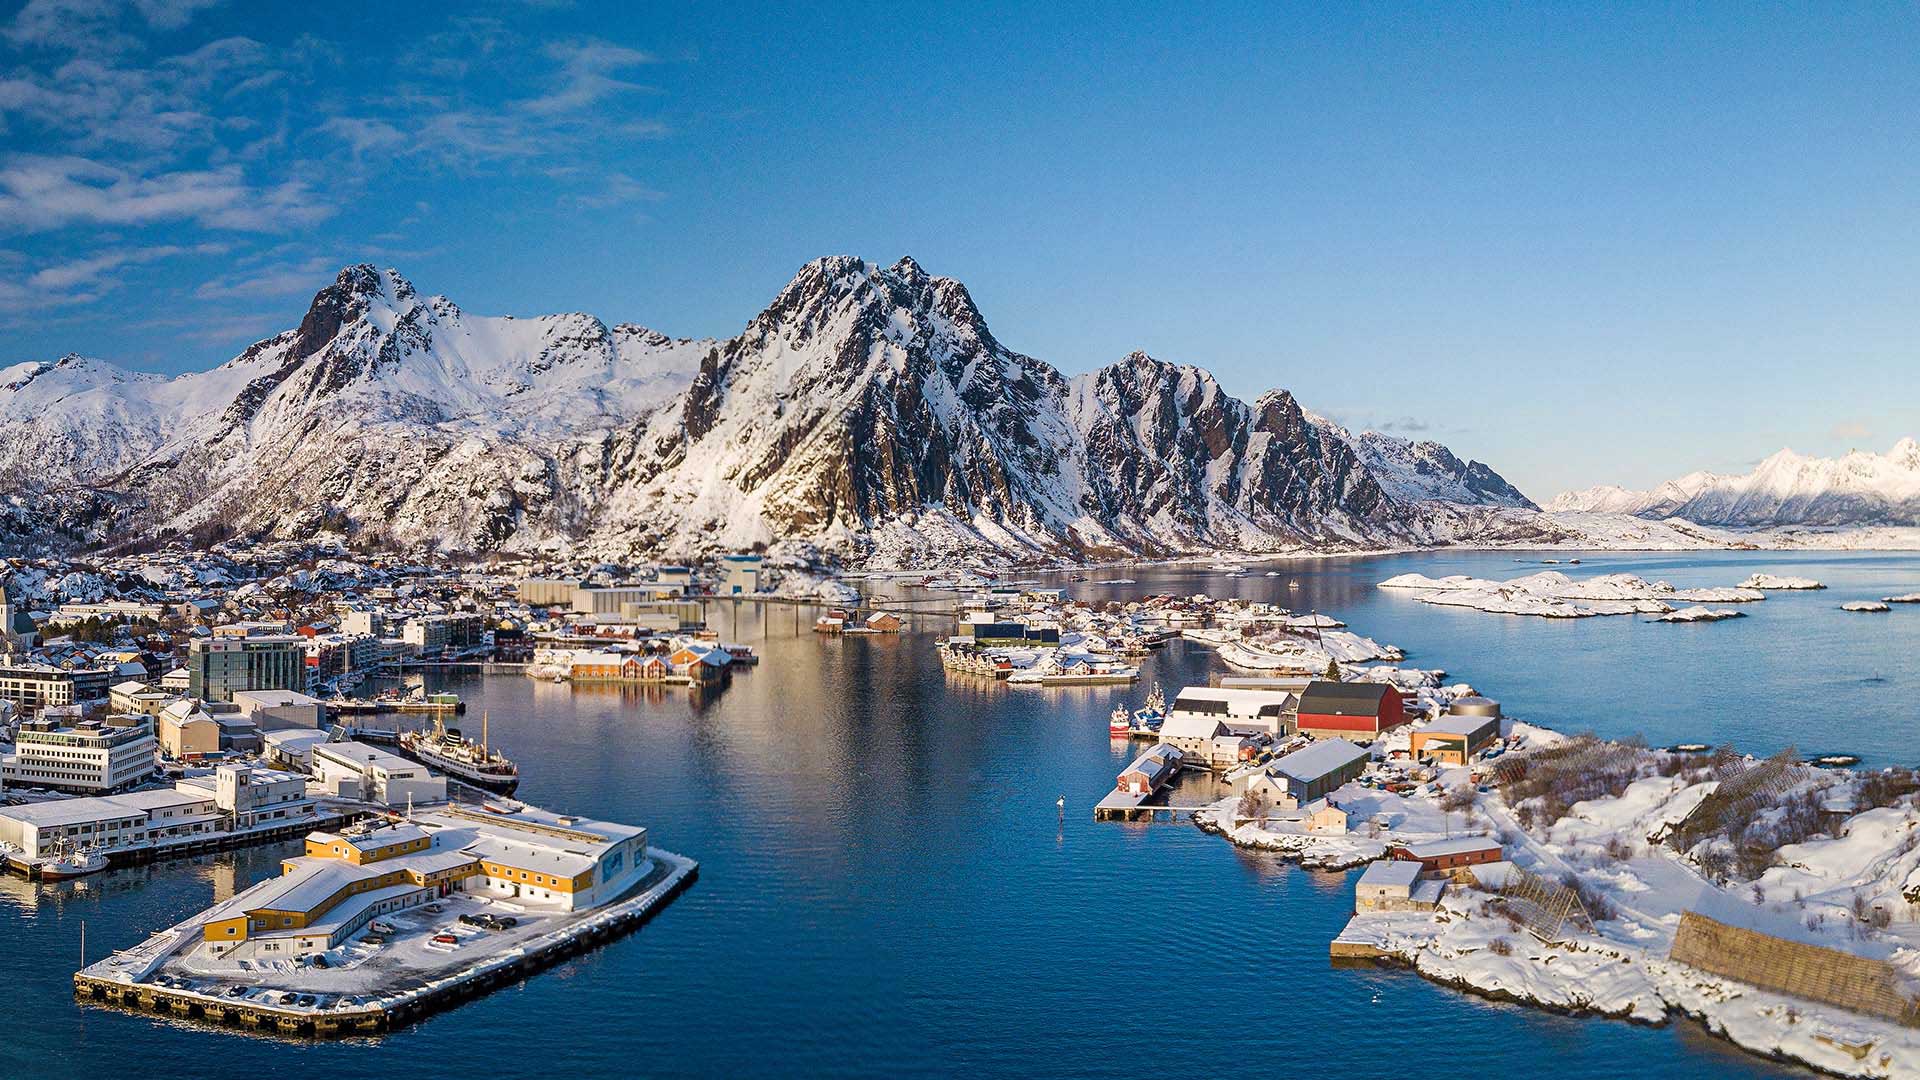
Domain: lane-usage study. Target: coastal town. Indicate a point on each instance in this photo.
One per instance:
(175, 703)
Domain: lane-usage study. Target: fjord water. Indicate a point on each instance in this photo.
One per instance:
(887, 888)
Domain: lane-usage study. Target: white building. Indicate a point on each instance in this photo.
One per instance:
(277, 710)
(88, 758)
(253, 796)
(108, 822)
(1245, 712)
(357, 771)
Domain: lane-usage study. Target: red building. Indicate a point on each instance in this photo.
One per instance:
(1436, 855)
(1349, 710)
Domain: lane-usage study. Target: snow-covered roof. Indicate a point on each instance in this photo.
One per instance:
(1320, 759)
(1390, 873)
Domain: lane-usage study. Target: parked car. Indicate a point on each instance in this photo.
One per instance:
(235, 991)
(445, 939)
(289, 997)
(467, 919)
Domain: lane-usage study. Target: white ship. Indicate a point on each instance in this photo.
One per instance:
(444, 748)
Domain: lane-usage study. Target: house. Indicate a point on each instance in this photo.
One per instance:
(1150, 771)
(884, 622)
(1389, 885)
(1443, 856)
(1359, 710)
(1194, 735)
(1452, 740)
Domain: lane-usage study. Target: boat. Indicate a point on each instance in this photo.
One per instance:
(1121, 722)
(444, 748)
(70, 862)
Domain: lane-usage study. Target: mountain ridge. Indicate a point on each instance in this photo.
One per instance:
(1859, 488)
(866, 412)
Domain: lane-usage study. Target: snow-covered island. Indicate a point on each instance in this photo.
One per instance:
(1700, 613)
(1552, 594)
(1903, 598)
(1866, 605)
(1641, 884)
(1779, 582)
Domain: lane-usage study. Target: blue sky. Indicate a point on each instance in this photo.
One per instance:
(1581, 246)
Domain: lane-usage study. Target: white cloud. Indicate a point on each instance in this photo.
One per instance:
(85, 279)
(38, 193)
(586, 77)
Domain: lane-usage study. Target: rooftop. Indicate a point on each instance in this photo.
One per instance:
(1318, 760)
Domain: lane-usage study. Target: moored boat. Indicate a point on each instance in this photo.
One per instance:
(444, 748)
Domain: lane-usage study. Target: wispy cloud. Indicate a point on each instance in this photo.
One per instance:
(40, 193)
(1852, 431)
(87, 278)
(587, 75)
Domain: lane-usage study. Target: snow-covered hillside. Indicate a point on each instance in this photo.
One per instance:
(1857, 489)
(868, 411)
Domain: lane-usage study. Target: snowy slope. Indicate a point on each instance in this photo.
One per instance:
(1859, 488)
(867, 411)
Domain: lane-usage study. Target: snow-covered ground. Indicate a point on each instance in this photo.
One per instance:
(1552, 594)
(1700, 613)
(1779, 581)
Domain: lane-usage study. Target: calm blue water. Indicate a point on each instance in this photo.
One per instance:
(887, 888)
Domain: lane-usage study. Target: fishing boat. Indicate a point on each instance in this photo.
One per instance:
(70, 862)
(1121, 722)
(477, 763)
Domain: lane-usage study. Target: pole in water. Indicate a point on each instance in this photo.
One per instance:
(83, 943)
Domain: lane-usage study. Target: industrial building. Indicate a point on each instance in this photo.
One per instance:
(1244, 711)
(281, 710)
(1316, 771)
(536, 859)
(1357, 710)
(1453, 853)
(1452, 740)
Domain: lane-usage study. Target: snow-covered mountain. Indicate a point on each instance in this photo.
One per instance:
(1857, 489)
(868, 411)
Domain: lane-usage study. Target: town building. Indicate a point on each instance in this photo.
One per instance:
(87, 758)
(1245, 711)
(1452, 740)
(186, 732)
(1454, 853)
(1390, 885)
(739, 575)
(134, 697)
(1357, 710)
(34, 686)
(217, 667)
(279, 710)
(355, 770)
(533, 858)
(253, 796)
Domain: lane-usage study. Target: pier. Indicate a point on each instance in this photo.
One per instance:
(1136, 806)
(122, 979)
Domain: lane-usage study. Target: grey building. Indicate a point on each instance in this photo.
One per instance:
(219, 666)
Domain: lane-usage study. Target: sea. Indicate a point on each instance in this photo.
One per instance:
(901, 875)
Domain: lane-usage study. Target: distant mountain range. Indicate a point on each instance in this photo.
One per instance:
(1859, 489)
(867, 413)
